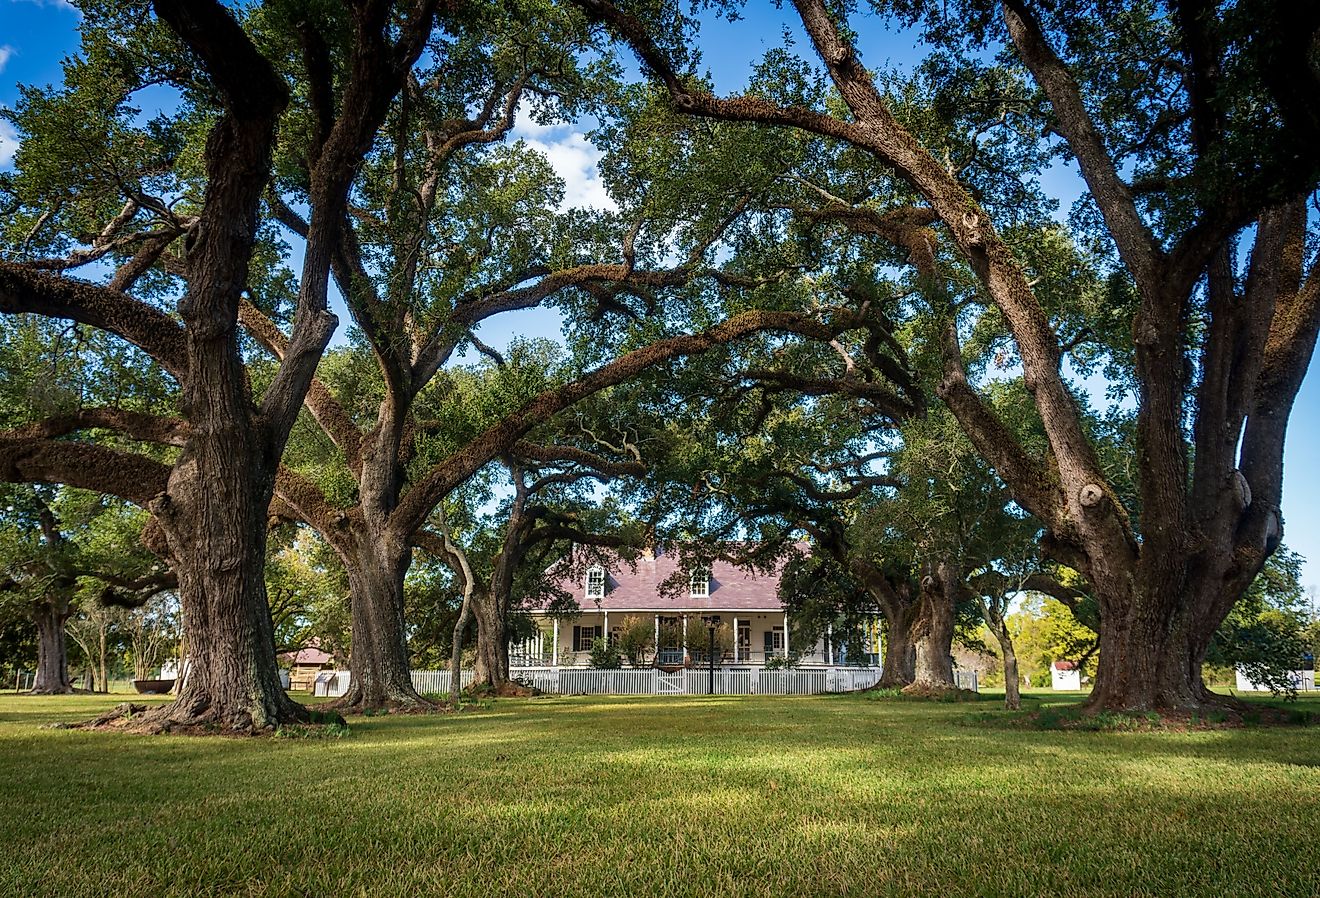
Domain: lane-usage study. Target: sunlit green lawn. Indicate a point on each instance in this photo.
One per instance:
(835, 795)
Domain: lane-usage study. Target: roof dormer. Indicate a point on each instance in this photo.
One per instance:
(596, 582)
(699, 583)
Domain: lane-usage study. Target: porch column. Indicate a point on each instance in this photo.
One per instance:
(656, 647)
(554, 651)
(607, 627)
(785, 634)
(735, 640)
(683, 619)
(829, 644)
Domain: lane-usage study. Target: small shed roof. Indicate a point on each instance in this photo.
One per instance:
(310, 656)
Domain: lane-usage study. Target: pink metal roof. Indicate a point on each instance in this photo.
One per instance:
(731, 588)
(311, 655)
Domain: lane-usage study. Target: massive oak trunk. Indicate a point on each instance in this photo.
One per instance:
(1152, 655)
(934, 635)
(898, 667)
(378, 661)
(52, 651)
(214, 517)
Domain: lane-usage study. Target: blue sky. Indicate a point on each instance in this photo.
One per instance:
(36, 34)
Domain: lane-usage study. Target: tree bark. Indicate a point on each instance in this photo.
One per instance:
(378, 660)
(492, 667)
(898, 668)
(1012, 690)
(934, 635)
(456, 654)
(52, 650)
(233, 681)
(1145, 661)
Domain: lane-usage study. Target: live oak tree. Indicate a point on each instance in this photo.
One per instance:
(67, 556)
(179, 199)
(462, 227)
(777, 443)
(1197, 146)
(36, 574)
(56, 538)
(545, 518)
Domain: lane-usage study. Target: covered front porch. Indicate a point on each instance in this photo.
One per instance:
(759, 638)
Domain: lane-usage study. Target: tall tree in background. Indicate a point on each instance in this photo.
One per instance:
(37, 573)
(1214, 115)
(68, 555)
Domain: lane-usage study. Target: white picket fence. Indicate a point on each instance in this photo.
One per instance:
(727, 681)
(731, 681)
(437, 681)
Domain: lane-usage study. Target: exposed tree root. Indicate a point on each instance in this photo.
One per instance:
(198, 718)
(941, 693)
(52, 690)
(507, 689)
(1217, 715)
(355, 701)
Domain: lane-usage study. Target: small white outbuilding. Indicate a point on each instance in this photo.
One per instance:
(1302, 681)
(1065, 675)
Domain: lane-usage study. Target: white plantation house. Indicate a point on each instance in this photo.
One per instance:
(747, 602)
(557, 658)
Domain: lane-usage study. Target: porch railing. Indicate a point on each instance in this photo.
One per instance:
(728, 681)
(692, 681)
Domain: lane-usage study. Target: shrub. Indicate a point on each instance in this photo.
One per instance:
(698, 640)
(636, 640)
(605, 655)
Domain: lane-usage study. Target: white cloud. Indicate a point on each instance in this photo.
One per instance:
(6, 52)
(8, 143)
(575, 160)
(572, 157)
(527, 127)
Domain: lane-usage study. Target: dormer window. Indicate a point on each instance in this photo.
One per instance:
(699, 586)
(596, 583)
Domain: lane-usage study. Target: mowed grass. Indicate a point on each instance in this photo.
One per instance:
(830, 795)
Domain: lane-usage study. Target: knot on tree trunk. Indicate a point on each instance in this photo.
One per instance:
(1241, 488)
(1091, 495)
(971, 222)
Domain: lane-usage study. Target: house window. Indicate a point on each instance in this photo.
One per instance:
(583, 637)
(596, 583)
(774, 642)
(699, 587)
